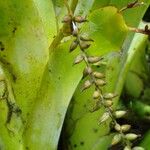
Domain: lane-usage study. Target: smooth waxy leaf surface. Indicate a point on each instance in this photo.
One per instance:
(107, 28)
(59, 82)
(25, 35)
(79, 118)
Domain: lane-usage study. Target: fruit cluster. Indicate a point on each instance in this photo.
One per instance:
(97, 79)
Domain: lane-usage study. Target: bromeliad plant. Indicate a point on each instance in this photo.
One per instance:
(35, 38)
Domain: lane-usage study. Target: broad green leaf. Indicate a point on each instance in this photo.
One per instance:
(59, 83)
(146, 141)
(46, 13)
(82, 125)
(25, 33)
(42, 84)
(9, 128)
(108, 30)
(134, 15)
(26, 42)
(131, 16)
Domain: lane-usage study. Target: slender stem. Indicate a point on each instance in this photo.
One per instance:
(60, 34)
(131, 5)
(143, 31)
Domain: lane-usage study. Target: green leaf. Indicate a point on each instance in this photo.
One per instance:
(82, 125)
(78, 115)
(59, 83)
(26, 35)
(133, 85)
(108, 30)
(131, 16)
(146, 141)
(106, 140)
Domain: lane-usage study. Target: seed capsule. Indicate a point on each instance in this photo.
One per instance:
(73, 45)
(125, 128)
(127, 148)
(94, 59)
(138, 148)
(87, 71)
(119, 113)
(131, 136)
(84, 45)
(104, 117)
(96, 94)
(108, 103)
(86, 85)
(67, 19)
(109, 95)
(78, 59)
(146, 28)
(98, 75)
(100, 82)
(116, 139)
(117, 127)
(79, 19)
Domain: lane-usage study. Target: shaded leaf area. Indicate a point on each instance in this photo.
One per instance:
(138, 100)
(59, 82)
(26, 48)
(138, 73)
